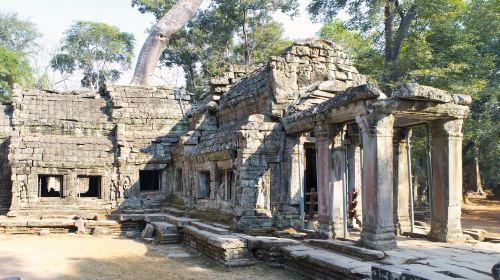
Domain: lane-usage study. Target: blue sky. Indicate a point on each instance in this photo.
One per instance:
(53, 17)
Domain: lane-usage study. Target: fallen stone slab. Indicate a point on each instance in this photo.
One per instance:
(347, 248)
(101, 231)
(148, 232)
(131, 217)
(87, 216)
(477, 234)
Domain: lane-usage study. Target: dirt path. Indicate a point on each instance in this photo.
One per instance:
(483, 214)
(77, 257)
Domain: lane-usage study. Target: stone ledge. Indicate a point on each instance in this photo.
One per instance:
(347, 248)
(321, 264)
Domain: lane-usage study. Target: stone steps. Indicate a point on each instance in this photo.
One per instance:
(347, 248)
(166, 233)
(322, 264)
(228, 250)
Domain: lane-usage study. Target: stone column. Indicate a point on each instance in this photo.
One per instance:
(329, 168)
(354, 159)
(401, 185)
(378, 225)
(446, 180)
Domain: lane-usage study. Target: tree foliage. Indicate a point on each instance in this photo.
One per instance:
(393, 20)
(17, 40)
(226, 32)
(98, 50)
(457, 50)
(14, 69)
(16, 34)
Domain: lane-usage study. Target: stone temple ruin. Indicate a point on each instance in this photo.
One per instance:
(242, 157)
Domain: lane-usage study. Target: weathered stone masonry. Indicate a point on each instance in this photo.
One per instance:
(80, 135)
(242, 154)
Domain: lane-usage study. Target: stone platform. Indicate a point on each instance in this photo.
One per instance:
(316, 259)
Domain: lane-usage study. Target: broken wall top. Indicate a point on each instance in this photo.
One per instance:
(272, 88)
(50, 112)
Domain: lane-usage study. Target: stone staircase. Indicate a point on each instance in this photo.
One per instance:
(316, 259)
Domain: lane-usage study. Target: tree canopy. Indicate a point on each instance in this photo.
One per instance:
(96, 49)
(225, 32)
(456, 51)
(17, 40)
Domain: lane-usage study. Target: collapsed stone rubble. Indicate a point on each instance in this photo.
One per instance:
(263, 145)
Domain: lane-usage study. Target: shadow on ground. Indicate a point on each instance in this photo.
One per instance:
(77, 257)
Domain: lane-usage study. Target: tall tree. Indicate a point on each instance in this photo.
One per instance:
(214, 37)
(458, 52)
(99, 50)
(394, 17)
(172, 21)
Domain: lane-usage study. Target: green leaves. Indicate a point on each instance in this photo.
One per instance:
(17, 41)
(17, 35)
(97, 49)
(13, 69)
(221, 34)
(452, 45)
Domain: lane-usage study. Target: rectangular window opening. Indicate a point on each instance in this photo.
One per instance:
(50, 185)
(204, 184)
(89, 186)
(149, 180)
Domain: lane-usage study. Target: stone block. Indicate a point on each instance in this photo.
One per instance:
(148, 231)
(101, 231)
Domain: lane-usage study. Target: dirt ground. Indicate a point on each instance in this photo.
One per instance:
(96, 258)
(483, 214)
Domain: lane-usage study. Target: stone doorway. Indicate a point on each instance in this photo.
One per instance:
(310, 182)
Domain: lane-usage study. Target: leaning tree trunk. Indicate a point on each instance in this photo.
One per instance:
(161, 32)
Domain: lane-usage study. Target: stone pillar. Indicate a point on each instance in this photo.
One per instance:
(446, 180)
(354, 159)
(401, 185)
(378, 225)
(329, 168)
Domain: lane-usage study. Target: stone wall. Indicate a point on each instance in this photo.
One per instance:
(81, 136)
(63, 134)
(149, 122)
(5, 182)
(237, 127)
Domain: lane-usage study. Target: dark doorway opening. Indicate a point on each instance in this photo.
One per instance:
(50, 185)
(149, 180)
(228, 184)
(178, 180)
(89, 186)
(204, 184)
(310, 181)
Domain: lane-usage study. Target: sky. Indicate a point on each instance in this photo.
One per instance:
(53, 17)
